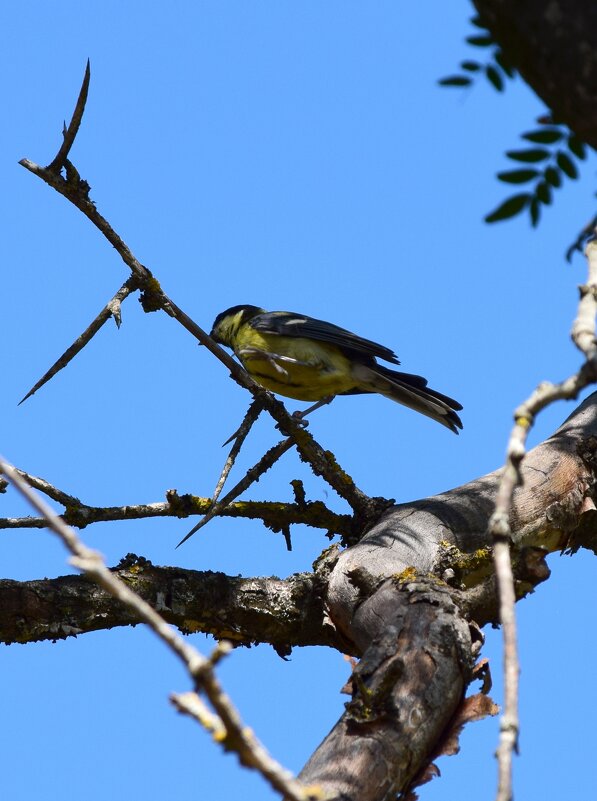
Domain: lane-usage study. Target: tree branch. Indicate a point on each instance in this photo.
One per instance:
(447, 536)
(274, 514)
(283, 613)
(322, 462)
(583, 336)
(417, 662)
(111, 309)
(232, 732)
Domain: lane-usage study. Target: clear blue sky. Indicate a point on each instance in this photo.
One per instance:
(294, 156)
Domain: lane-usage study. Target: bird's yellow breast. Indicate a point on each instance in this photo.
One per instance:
(295, 367)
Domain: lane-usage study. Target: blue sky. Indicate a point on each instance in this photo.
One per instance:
(293, 156)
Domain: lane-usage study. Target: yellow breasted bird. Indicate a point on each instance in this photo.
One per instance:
(311, 360)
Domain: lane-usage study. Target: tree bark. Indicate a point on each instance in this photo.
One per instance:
(284, 613)
(416, 650)
(405, 599)
(552, 46)
(417, 663)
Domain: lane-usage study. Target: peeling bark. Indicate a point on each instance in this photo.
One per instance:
(417, 662)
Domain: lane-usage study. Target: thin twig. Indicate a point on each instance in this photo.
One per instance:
(321, 461)
(76, 190)
(239, 437)
(273, 514)
(48, 489)
(583, 335)
(253, 474)
(111, 309)
(70, 133)
(233, 732)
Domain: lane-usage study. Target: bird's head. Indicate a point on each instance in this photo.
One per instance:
(227, 323)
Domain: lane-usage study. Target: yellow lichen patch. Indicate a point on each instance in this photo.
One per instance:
(409, 574)
(314, 792)
(469, 568)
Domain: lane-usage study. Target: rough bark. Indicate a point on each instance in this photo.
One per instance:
(444, 534)
(417, 662)
(283, 613)
(552, 46)
(401, 599)
(439, 532)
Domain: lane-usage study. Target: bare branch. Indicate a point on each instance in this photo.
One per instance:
(274, 514)
(283, 613)
(583, 335)
(111, 309)
(71, 132)
(239, 437)
(253, 474)
(321, 461)
(238, 737)
(48, 489)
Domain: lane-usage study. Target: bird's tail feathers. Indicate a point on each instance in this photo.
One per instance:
(412, 391)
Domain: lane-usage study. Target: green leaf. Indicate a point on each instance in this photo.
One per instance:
(553, 176)
(501, 60)
(529, 156)
(494, 77)
(509, 208)
(517, 176)
(535, 212)
(477, 22)
(470, 66)
(455, 80)
(480, 41)
(577, 146)
(566, 164)
(544, 136)
(543, 192)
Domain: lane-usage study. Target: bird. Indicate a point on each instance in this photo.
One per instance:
(307, 359)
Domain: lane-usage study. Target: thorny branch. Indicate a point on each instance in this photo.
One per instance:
(239, 437)
(274, 515)
(76, 190)
(226, 725)
(583, 336)
(253, 474)
(111, 309)
(70, 133)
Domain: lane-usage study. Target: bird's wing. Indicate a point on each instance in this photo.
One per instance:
(291, 324)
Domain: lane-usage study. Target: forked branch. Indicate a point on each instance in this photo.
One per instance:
(583, 336)
(76, 190)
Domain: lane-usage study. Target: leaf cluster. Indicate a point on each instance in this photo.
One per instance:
(543, 165)
(496, 69)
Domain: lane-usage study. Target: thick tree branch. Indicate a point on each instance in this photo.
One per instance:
(448, 536)
(552, 47)
(283, 613)
(418, 661)
(550, 508)
(445, 534)
(225, 720)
